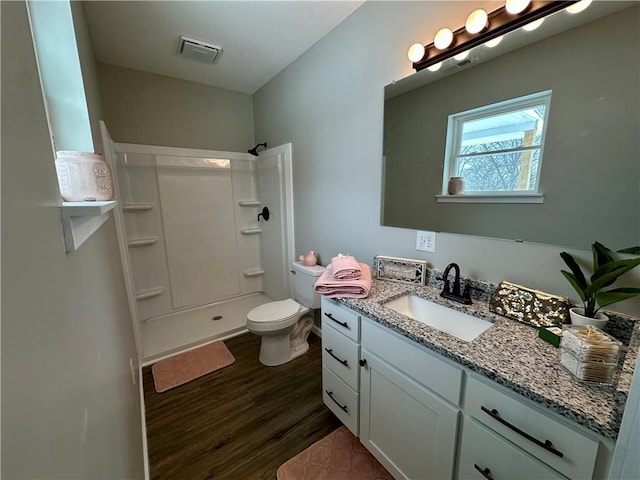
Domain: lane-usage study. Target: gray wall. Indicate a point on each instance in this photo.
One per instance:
(590, 153)
(150, 109)
(329, 104)
(69, 407)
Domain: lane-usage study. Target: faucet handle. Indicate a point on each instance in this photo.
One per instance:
(467, 290)
(446, 286)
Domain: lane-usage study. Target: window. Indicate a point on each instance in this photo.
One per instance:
(497, 149)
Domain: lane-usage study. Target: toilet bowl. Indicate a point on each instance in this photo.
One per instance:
(284, 325)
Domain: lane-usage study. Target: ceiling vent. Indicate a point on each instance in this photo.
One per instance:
(199, 50)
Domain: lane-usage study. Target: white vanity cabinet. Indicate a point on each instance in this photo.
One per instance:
(340, 362)
(485, 454)
(424, 416)
(554, 442)
(408, 405)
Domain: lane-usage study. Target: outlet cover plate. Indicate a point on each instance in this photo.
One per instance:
(426, 241)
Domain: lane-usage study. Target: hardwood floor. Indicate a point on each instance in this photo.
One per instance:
(241, 422)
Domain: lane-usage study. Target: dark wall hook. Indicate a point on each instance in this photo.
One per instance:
(264, 214)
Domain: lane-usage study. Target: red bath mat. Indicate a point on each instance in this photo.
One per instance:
(184, 367)
(339, 455)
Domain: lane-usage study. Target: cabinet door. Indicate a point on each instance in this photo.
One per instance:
(485, 455)
(406, 427)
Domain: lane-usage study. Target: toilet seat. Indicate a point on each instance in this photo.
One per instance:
(274, 311)
(273, 316)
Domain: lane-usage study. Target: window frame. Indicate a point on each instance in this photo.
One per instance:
(454, 139)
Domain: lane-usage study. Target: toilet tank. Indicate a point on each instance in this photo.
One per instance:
(303, 280)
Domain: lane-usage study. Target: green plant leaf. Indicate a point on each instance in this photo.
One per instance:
(621, 266)
(601, 255)
(605, 280)
(616, 295)
(578, 276)
(575, 284)
(632, 250)
(627, 264)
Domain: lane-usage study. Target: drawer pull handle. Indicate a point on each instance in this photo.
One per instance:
(363, 362)
(344, 324)
(547, 445)
(486, 473)
(342, 407)
(330, 352)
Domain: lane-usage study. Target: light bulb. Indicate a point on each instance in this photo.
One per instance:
(530, 27)
(477, 21)
(461, 56)
(493, 43)
(416, 52)
(435, 67)
(516, 6)
(578, 7)
(443, 38)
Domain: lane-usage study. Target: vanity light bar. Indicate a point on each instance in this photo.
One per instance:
(499, 22)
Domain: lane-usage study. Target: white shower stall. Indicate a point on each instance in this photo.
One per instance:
(197, 256)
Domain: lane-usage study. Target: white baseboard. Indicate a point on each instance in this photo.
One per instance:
(317, 330)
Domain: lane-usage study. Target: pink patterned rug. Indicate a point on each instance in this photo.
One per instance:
(338, 456)
(184, 367)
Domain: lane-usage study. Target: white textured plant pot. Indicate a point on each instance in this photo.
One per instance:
(577, 318)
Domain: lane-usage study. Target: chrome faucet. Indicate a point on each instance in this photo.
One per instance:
(454, 294)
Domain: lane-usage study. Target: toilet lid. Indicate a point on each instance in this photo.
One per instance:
(271, 311)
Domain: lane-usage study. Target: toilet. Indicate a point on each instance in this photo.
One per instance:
(284, 325)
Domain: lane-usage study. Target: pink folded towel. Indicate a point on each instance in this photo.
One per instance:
(328, 286)
(345, 267)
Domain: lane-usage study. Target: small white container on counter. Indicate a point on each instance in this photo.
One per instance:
(83, 176)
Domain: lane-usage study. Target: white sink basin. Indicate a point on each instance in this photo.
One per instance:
(460, 325)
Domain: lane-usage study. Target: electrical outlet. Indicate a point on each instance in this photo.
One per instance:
(426, 241)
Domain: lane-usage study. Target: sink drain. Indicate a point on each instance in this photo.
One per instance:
(217, 317)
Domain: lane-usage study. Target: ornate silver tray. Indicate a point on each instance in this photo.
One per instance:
(527, 305)
(396, 269)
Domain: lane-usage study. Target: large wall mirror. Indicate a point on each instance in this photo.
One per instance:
(590, 174)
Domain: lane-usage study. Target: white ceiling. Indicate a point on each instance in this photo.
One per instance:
(259, 38)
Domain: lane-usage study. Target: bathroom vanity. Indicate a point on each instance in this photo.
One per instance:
(429, 405)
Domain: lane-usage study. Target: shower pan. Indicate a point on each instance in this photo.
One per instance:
(197, 255)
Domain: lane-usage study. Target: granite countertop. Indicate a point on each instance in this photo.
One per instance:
(511, 354)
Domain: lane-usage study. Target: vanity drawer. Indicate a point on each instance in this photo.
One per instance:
(407, 356)
(341, 399)
(341, 355)
(529, 428)
(344, 320)
(483, 449)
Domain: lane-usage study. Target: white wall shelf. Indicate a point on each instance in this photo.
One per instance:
(149, 293)
(250, 231)
(81, 219)
(137, 207)
(492, 198)
(249, 203)
(142, 242)
(253, 272)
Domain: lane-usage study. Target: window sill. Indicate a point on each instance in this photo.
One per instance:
(492, 198)
(81, 219)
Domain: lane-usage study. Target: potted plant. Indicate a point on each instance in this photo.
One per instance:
(606, 270)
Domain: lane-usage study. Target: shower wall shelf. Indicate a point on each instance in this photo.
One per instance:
(142, 242)
(249, 203)
(251, 231)
(149, 293)
(81, 219)
(253, 272)
(137, 207)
